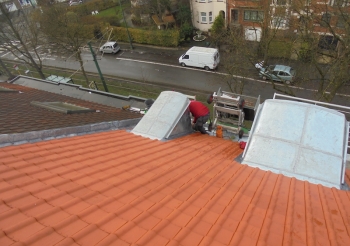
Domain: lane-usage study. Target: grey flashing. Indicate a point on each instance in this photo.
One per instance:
(37, 136)
(62, 107)
(79, 92)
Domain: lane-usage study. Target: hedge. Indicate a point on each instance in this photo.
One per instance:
(166, 38)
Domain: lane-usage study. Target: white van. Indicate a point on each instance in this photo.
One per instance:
(110, 47)
(207, 58)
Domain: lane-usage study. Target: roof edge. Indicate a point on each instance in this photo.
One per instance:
(37, 136)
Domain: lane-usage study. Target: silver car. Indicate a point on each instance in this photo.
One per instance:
(280, 73)
(110, 47)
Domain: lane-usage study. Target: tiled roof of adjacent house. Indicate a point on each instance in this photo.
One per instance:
(117, 188)
(17, 115)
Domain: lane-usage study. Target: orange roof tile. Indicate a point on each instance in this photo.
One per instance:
(118, 188)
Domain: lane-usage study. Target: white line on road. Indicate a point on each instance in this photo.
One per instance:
(5, 54)
(156, 63)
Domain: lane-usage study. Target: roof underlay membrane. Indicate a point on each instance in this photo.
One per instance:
(299, 140)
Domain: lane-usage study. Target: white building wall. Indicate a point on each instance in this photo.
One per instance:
(13, 5)
(199, 7)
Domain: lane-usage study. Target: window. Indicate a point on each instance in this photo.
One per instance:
(250, 15)
(281, 2)
(327, 42)
(234, 15)
(279, 22)
(283, 74)
(339, 3)
(210, 17)
(203, 17)
(202, 1)
(342, 20)
(326, 19)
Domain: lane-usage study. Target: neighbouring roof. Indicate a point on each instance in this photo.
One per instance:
(299, 140)
(117, 188)
(21, 120)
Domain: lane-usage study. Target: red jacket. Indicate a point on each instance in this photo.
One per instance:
(198, 109)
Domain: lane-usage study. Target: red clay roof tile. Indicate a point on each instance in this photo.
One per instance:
(130, 190)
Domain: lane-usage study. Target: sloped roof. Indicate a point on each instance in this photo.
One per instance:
(117, 188)
(18, 115)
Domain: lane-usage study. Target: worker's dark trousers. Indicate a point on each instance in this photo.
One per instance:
(198, 126)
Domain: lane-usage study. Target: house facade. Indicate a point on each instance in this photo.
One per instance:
(329, 19)
(13, 5)
(204, 12)
(325, 17)
(250, 17)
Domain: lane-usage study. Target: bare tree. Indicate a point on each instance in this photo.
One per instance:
(20, 36)
(265, 29)
(324, 44)
(66, 31)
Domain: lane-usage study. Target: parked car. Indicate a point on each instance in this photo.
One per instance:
(75, 2)
(110, 47)
(279, 73)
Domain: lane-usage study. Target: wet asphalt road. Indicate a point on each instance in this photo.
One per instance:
(160, 65)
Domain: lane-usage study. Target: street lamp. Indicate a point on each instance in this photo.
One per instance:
(126, 24)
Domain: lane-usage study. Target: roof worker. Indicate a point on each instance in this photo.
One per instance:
(200, 114)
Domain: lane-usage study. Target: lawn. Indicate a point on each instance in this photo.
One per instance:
(115, 11)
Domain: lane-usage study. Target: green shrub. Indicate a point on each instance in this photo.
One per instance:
(305, 53)
(166, 38)
(280, 48)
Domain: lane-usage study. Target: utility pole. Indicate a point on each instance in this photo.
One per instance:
(126, 24)
(98, 67)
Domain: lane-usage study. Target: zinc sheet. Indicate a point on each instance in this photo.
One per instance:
(299, 140)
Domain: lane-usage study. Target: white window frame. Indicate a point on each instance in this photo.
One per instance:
(258, 15)
(345, 3)
(203, 17)
(282, 22)
(210, 14)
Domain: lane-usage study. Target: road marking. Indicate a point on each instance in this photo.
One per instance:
(156, 63)
(6, 54)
